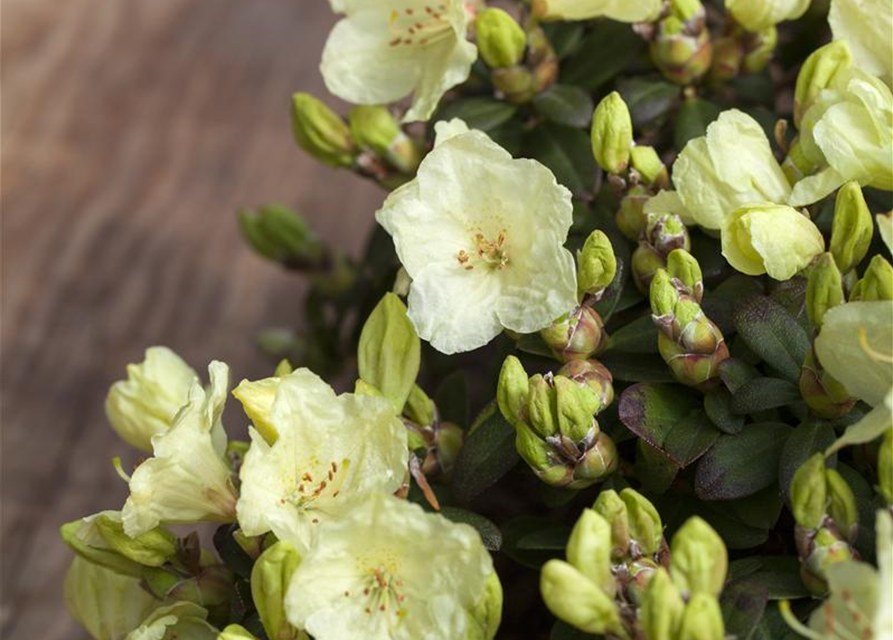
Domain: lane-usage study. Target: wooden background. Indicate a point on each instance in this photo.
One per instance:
(131, 132)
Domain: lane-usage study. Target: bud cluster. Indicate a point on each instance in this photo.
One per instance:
(554, 417)
(680, 45)
(661, 235)
(622, 579)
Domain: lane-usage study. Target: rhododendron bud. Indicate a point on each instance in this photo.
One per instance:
(501, 40)
(596, 264)
(824, 289)
(699, 559)
(578, 601)
(593, 374)
(662, 607)
(576, 335)
(852, 228)
(270, 578)
(702, 619)
(513, 391)
(876, 283)
(817, 73)
(373, 127)
(649, 166)
(321, 132)
(612, 133)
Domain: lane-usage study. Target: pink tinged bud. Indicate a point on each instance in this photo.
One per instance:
(577, 335)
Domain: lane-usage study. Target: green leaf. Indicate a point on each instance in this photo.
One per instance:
(774, 334)
(487, 455)
(563, 36)
(805, 440)
(609, 48)
(718, 405)
(743, 605)
(567, 152)
(669, 418)
(761, 394)
(389, 353)
(490, 534)
(451, 399)
(720, 303)
(779, 574)
(736, 373)
(692, 120)
(648, 99)
(552, 538)
(516, 529)
(760, 510)
(654, 469)
(639, 336)
(565, 104)
(642, 368)
(740, 465)
(477, 112)
(563, 631)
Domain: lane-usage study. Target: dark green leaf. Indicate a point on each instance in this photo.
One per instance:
(563, 36)
(490, 534)
(740, 465)
(642, 368)
(761, 394)
(718, 405)
(743, 605)
(567, 152)
(563, 631)
(774, 334)
(487, 455)
(808, 438)
(565, 104)
(639, 336)
(517, 529)
(773, 627)
(719, 304)
(231, 553)
(779, 574)
(669, 418)
(692, 120)
(477, 112)
(760, 510)
(533, 343)
(791, 294)
(648, 99)
(608, 49)
(654, 469)
(553, 538)
(451, 399)
(736, 373)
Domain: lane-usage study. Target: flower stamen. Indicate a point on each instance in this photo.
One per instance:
(408, 29)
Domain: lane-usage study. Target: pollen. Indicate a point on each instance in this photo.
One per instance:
(430, 27)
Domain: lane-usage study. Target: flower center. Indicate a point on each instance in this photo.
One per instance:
(419, 26)
(382, 591)
(490, 253)
(323, 480)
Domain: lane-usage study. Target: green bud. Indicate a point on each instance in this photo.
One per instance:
(589, 550)
(419, 407)
(817, 73)
(809, 492)
(541, 407)
(885, 467)
(513, 391)
(797, 164)
(596, 464)
(575, 408)
(235, 632)
(593, 374)
(852, 228)
(152, 549)
(649, 165)
(662, 607)
(576, 335)
(534, 450)
(596, 264)
(375, 128)
(515, 83)
(682, 55)
(699, 558)
(663, 295)
(631, 214)
(825, 396)
(86, 541)
(702, 619)
(728, 56)
(576, 600)
(501, 40)
(666, 232)
(759, 49)
(842, 504)
(612, 134)
(645, 262)
(877, 282)
(278, 233)
(645, 526)
(283, 369)
(270, 578)
(687, 10)
(613, 510)
(321, 132)
(684, 268)
(824, 289)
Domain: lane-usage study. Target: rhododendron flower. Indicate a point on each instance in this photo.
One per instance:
(867, 27)
(620, 10)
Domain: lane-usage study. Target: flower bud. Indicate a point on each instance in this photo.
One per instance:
(662, 607)
(825, 396)
(817, 73)
(684, 270)
(666, 233)
(646, 261)
(612, 134)
(885, 467)
(702, 619)
(515, 83)
(852, 228)
(842, 504)
(768, 238)
(699, 558)
(876, 283)
(598, 462)
(278, 233)
(501, 40)
(663, 295)
(513, 391)
(645, 526)
(589, 550)
(809, 492)
(593, 374)
(419, 407)
(576, 335)
(631, 214)
(541, 407)
(613, 510)
(826, 549)
(649, 165)
(824, 289)
(576, 600)
(270, 577)
(639, 574)
(538, 455)
(759, 49)
(728, 56)
(575, 407)
(682, 53)
(797, 164)
(596, 264)
(373, 127)
(235, 632)
(257, 398)
(755, 15)
(151, 549)
(321, 132)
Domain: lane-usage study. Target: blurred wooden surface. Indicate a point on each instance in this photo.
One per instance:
(131, 132)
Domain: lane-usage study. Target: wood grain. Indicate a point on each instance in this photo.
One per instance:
(131, 132)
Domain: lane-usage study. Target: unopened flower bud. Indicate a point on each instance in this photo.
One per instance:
(513, 391)
(278, 233)
(699, 558)
(728, 55)
(645, 526)
(589, 550)
(702, 619)
(684, 269)
(824, 289)
(419, 407)
(817, 73)
(663, 295)
(538, 455)
(631, 214)
(640, 572)
(876, 283)
(501, 40)
(321, 132)
(842, 504)
(270, 578)
(575, 407)
(375, 128)
(235, 632)
(825, 396)
(593, 374)
(613, 510)
(682, 53)
(576, 600)
(612, 134)
(666, 233)
(649, 165)
(662, 607)
(646, 261)
(576, 335)
(852, 228)
(597, 463)
(885, 467)
(151, 549)
(809, 492)
(797, 164)
(596, 264)
(759, 49)
(515, 83)
(541, 407)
